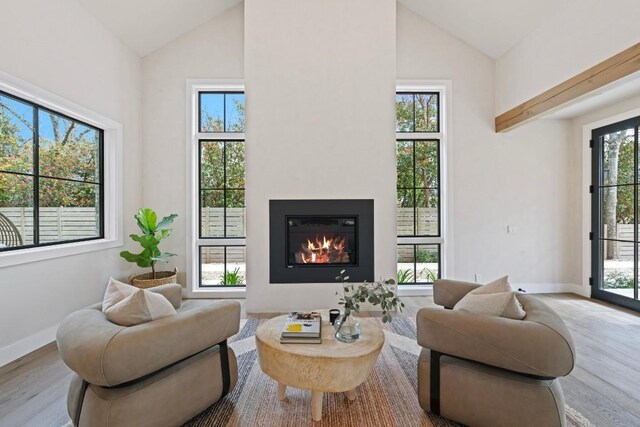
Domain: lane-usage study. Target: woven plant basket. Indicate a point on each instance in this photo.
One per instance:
(146, 280)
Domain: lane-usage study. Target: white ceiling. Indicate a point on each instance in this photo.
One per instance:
(146, 25)
(492, 26)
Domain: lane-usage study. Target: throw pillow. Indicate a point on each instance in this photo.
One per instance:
(499, 285)
(126, 305)
(493, 299)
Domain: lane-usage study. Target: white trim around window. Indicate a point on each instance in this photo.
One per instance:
(113, 189)
(193, 290)
(446, 179)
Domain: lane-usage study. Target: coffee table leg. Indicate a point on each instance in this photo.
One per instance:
(282, 389)
(351, 394)
(316, 405)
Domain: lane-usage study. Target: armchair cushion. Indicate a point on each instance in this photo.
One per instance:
(106, 354)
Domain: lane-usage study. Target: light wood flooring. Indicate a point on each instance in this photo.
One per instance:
(604, 386)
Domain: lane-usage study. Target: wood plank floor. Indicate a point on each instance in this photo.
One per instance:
(604, 386)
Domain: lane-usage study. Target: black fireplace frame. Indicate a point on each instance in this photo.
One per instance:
(279, 210)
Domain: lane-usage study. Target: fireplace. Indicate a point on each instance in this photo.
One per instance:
(312, 240)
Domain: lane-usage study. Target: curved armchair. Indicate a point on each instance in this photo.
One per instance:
(483, 370)
(162, 372)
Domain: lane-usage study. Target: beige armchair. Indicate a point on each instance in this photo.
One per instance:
(159, 373)
(492, 371)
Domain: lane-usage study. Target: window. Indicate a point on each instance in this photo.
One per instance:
(220, 247)
(615, 201)
(51, 177)
(419, 211)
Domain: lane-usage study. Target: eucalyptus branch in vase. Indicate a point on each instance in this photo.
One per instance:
(375, 293)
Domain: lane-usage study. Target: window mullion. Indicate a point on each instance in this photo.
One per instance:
(220, 136)
(36, 177)
(420, 136)
(224, 189)
(420, 240)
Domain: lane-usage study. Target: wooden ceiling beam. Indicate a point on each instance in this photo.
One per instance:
(618, 66)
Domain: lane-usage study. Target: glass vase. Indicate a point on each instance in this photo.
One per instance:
(347, 328)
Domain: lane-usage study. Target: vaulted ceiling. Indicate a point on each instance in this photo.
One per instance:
(492, 26)
(146, 25)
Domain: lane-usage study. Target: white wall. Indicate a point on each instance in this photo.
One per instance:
(61, 48)
(320, 85)
(212, 51)
(580, 35)
(521, 178)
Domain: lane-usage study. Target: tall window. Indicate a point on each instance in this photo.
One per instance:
(51, 177)
(221, 201)
(418, 151)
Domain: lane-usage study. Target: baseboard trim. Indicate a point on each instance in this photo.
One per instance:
(548, 288)
(26, 345)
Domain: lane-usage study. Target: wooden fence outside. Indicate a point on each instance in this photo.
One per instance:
(212, 220)
(427, 224)
(625, 249)
(56, 224)
(59, 224)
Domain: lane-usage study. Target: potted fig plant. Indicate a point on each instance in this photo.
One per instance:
(153, 232)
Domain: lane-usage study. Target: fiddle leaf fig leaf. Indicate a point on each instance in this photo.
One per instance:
(166, 221)
(146, 219)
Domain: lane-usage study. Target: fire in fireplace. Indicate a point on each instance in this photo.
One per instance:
(325, 251)
(321, 240)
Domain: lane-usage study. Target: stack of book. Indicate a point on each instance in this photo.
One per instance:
(302, 328)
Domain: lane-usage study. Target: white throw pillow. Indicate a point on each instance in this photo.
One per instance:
(493, 299)
(498, 285)
(127, 305)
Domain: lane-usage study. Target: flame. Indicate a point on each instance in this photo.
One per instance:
(323, 250)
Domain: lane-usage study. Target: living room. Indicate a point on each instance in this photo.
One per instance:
(456, 135)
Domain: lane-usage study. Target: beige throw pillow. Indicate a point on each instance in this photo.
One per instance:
(493, 299)
(127, 305)
(498, 285)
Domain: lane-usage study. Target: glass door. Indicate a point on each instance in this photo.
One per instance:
(615, 237)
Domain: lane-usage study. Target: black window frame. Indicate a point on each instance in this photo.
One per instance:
(224, 272)
(224, 94)
(224, 188)
(415, 240)
(225, 137)
(415, 188)
(35, 175)
(413, 94)
(596, 235)
(415, 262)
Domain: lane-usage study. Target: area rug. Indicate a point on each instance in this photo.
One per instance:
(388, 397)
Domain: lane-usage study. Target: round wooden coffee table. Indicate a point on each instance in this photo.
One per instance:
(332, 366)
